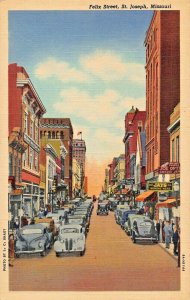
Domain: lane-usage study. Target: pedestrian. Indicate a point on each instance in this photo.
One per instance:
(178, 248)
(11, 250)
(45, 211)
(163, 233)
(158, 230)
(16, 223)
(175, 239)
(168, 234)
(24, 221)
(32, 222)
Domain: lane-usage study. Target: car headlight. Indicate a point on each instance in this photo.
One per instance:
(40, 244)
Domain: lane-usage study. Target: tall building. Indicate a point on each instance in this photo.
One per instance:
(162, 44)
(56, 129)
(134, 122)
(79, 153)
(25, 112)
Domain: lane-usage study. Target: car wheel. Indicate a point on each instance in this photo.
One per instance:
(17, 255)
(133, 238)
(82, 252)
(43, 253)
(57, 254)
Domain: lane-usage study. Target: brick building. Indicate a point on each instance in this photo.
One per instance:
(134, 121)
(60, 129)
(162, 44)
(112, 179)
(25, 112)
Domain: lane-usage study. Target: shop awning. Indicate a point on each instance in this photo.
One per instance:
(142, 197)
(168, 203)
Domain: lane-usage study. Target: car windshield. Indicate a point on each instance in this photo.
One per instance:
(32, 231)
(145, 224)
(75, 221)
(69, 230)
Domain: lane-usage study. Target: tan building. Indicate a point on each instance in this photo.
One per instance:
(60, 129)
(119, 171)
(76, 181)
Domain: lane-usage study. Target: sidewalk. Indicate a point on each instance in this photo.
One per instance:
(169, 251)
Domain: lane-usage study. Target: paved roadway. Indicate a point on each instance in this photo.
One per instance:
(111, 263)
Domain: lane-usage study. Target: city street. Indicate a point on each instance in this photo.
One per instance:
(111, 263)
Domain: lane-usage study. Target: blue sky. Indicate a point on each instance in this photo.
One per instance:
(86, 65)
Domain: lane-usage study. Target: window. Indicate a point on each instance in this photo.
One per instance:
(36, 161)
(32, 129)
(25, 158)
(173, 150)
(36, 134)
(26, 122)
(31, 158)
(177, 149)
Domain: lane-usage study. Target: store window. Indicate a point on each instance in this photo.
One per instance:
(173, 150)
(177, 149)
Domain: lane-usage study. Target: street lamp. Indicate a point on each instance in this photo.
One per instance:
(176, 190)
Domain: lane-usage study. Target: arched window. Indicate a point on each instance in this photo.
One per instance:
(53, 135)
(61, 135)
(49, 134)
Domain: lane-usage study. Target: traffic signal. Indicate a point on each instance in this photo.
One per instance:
(54, 185)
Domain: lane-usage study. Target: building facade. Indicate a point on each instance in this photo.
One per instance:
(79, 153)
(134, 121)
(119, 171)
(60, 129)
(162, 87)
(24, 100)
(140, 166)
(17, 147)
(76, 178)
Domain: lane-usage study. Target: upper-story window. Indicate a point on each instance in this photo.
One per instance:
(31, 129)
(177, 149)
(36, 133)
(26, 122)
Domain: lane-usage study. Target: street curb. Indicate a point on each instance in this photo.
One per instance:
(174, 257)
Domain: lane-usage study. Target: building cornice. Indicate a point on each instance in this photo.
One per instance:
(27, 81)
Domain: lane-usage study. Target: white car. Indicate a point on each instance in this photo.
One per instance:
(71, 238)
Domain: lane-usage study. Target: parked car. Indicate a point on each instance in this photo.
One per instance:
(118, 212)
(80, 220)
(129, 223)
(143, 230)
(33, 239)
(71, 238)
(102, 209)
(125, 216)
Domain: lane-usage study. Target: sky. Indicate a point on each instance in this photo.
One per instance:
(88, 66)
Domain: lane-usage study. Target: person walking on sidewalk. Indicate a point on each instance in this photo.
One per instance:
(11, 250)
(163, 233)
(175, 239)
(158, 230)
(168, 234)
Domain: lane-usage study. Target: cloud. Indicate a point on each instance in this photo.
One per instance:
(99, 109)
(60, 70)
(110, 66)
(104, 65)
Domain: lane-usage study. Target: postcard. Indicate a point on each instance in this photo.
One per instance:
(94, 158)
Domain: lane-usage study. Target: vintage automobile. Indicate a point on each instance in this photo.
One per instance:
(143, 230)
(126, 215)
(80, 221)
(34, 238)
(102, 209)
(129, 223)
(71, 238)
(85, 216)
(118, 212)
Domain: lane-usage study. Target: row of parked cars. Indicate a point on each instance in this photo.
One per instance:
(65, 230)
(134, 223)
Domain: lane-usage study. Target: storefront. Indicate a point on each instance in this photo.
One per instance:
(169, 210)
(31, 199)
(147, 200)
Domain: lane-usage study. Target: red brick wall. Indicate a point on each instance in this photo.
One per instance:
(15, 96)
